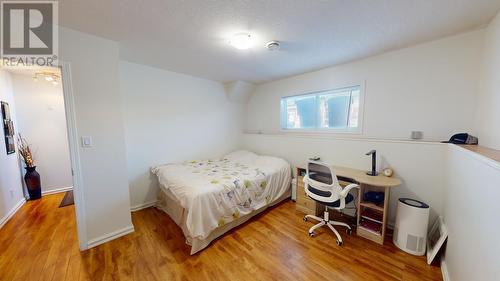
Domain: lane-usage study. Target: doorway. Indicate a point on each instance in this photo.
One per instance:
(43, 114)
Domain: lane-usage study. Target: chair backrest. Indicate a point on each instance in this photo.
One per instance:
(321, 176)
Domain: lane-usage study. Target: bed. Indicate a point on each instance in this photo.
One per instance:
(207, 198)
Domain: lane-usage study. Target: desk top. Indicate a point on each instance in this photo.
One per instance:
(360, 176)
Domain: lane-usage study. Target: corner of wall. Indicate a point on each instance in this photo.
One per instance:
(444, 270)
(488, 99)
(239, 91)
(12, 212)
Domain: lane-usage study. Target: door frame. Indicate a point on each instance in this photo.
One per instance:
(74, 152)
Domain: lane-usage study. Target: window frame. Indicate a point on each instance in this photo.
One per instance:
(318, 130)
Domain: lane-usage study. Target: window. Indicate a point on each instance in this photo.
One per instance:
(336, 110)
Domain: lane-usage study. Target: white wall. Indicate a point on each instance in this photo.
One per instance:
(417, 164)
(488, 117)
(171, 117)
(471, 196)
(42, 121)
(94, 66)
(471, 215)
(11, 189)
(430, 87)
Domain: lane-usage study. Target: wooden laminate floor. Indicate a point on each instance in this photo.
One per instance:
(39, 243)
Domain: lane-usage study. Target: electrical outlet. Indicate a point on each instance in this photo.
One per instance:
(11, 193)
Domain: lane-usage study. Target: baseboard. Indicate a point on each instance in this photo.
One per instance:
(444, 270)
(11, 213)
(57, 190)
(142, 206)
(110, 236)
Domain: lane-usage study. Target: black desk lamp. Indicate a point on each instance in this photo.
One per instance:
(373, 172)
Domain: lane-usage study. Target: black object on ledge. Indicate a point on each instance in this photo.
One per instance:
(462, 138)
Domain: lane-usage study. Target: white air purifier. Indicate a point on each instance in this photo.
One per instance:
(410, 230)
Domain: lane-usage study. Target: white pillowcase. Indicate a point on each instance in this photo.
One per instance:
(242, 156)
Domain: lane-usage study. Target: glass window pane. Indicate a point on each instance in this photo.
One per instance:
(300, 112)
(354, 109)
(334, 109)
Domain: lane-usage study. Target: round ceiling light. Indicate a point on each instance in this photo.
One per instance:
(242, 41)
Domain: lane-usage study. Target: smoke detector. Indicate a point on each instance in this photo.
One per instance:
(273, 45)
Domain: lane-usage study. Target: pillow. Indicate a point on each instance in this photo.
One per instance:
(271, 163)
(241, 156)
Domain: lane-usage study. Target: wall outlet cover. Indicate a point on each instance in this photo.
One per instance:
(87, 141)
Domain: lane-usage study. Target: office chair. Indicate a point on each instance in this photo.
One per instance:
(321, 185)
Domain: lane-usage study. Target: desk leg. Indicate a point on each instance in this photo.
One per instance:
(386, 211)
(358, 204)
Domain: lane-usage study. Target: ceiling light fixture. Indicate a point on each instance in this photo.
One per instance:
(242, 41)
(47, 76)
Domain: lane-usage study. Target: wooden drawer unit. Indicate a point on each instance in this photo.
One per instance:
(307, 203)
(301, 193)
(304, 204)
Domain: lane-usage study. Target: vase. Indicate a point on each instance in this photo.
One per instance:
(32, 180)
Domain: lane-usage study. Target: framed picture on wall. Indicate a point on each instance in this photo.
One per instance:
(8, 128)
(5, 111)
(436, 238)
(11, 128)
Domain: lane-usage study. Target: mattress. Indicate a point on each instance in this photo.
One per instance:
(206, 197)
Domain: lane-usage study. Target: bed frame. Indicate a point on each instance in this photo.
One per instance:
(168, 204)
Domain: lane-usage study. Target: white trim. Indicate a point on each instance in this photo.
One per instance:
(326, 136)
(57, 190)
(324, 131)
(444, 270)
(12, 212)
(110, 236)
(74, 153)
(142, 206)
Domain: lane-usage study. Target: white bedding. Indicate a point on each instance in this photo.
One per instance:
(216, 192)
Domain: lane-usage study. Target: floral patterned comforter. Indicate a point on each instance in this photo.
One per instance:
(216, 192)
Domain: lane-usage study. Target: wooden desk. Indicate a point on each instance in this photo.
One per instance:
(366, 183)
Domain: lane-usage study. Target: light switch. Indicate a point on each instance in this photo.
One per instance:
(86, 141)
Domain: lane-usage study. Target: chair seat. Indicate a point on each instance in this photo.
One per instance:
(336, 204)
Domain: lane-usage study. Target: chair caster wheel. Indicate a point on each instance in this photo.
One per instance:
(348, 231)
(312, 234)
(304, 218)
(339, 243)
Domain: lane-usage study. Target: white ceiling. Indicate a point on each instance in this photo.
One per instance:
(191, 36)
(30, 70)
